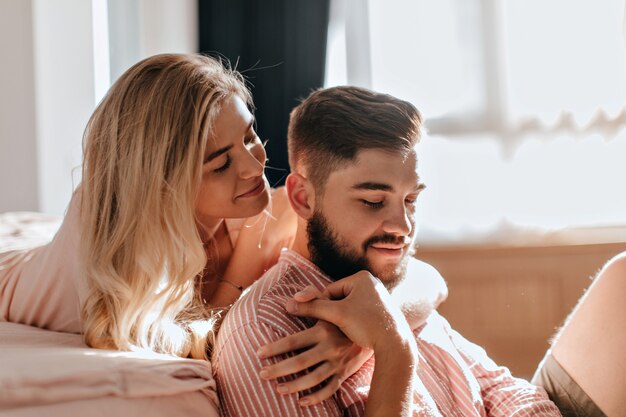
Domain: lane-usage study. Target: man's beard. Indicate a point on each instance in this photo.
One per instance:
(336, 258)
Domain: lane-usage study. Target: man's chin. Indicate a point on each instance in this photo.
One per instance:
(390, 273)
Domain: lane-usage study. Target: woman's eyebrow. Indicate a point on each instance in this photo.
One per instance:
(218, 152)
(226, 148)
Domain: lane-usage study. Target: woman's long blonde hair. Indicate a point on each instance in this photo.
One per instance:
(141, 250)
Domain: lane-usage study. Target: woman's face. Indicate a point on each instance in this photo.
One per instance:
(233, 184)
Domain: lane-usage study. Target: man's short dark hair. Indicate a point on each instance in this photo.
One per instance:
(332, 125)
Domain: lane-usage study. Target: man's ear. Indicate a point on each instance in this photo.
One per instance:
(301, 195)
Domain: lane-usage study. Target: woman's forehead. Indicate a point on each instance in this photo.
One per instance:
(231, 124)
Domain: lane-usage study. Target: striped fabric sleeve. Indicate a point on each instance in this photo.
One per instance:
(243, 392)
(503, 395)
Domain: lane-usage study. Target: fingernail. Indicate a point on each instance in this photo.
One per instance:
(301, 292)
(291, 306)
(264, 374)
(304, 402)
(282, 389)
(260, 353)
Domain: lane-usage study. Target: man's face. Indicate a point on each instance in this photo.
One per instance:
(365, 218)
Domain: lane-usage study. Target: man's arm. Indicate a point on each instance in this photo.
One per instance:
(243, 392)
(502, 394)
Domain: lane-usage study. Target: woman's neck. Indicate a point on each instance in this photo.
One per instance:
(219, 249)
(210, 228)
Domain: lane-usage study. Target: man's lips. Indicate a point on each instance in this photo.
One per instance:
(257, 189)
(388, 250)
(387, 246)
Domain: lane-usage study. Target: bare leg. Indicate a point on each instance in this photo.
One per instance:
(591, 347)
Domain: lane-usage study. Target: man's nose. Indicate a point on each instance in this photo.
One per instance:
(399, 222)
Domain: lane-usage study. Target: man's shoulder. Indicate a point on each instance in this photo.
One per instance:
(428, 278)
(271, 306)
(415, 266)
(263, 304)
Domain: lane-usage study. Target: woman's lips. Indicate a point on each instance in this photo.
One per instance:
(256, 190)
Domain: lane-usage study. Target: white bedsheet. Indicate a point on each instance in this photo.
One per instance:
(44, 370)
(47, 373)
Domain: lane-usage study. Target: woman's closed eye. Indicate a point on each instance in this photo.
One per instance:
(224, 166)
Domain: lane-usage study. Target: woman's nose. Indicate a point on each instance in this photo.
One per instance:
(253, 162)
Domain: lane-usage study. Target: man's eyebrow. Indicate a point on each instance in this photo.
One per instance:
(373, 186)
(218, 152)
(379, 186)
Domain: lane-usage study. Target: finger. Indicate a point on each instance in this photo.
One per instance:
(328, 390)
(341, 288)
(289, 343)
(307, 294)
(319, 309)
(291, 365)
(310, 380)
(344, 287)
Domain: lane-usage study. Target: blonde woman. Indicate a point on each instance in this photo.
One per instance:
(167, 221)
(170, 156)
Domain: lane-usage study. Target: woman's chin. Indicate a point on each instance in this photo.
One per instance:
(252, 206)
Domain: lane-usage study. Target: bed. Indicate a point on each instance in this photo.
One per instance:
(47, 373)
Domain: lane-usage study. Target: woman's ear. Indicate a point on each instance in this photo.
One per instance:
(301, 195)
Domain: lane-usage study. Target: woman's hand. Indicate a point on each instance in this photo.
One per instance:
(333, 355)
(361, 307)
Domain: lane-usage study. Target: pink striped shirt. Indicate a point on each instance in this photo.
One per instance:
(455, 377)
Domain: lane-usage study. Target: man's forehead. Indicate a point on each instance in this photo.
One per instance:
(375, 169)
(382, 156)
